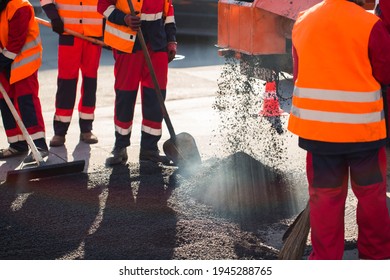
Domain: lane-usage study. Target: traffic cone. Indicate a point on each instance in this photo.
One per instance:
(271, 106)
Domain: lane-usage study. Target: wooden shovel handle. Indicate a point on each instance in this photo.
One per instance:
(73, 33)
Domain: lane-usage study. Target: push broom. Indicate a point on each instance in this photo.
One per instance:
(42, 169)
(295, 237)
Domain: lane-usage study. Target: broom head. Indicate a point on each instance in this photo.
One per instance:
(295, 243)
(45, 170)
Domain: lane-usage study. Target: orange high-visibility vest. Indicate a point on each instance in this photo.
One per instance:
(123, 37)
(80, 16)
(336, 98)
(29, 59)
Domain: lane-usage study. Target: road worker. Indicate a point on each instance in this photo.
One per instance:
(75, 54)
(20, 59)
(341, 56)
(156, 19)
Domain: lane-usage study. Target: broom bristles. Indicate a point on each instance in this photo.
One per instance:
(294, 245)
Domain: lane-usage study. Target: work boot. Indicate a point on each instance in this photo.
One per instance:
(88, 137)
(30, 157)
(119, 156)
(57, 141)
(11, 152)
(154, 156)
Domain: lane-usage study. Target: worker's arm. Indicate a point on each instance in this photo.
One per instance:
(384, 6)
(108, 9)
(170, 31)
(51, 11)
(379, 52)
(110, 12)
(17, 34)
(170, 25)
(295, 63)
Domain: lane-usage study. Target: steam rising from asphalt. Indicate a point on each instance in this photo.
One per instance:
(249, 184)
(243, 189)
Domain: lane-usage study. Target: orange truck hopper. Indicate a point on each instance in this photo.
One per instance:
(260, 31)
(258, 27)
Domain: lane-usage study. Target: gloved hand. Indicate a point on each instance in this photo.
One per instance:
(171, 47)
(5, 65)
(57, 25)
(5, 62)
(133, 22)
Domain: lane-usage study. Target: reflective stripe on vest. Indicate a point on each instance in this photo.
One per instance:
(35, 56)
(336, 98)
(29, 59)
(120, 34)
(343, 118)
(81, 17)
(122, 37)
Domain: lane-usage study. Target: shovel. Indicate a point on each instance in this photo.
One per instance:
(42, 170)
(181, 149)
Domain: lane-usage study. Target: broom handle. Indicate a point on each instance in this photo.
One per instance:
(30, 142)
(73, 33)
(153, 75)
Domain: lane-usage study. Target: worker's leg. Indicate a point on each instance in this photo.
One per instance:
(151, 109)
(69, 60)
(28, 106)
(328, 184)
(127, 77)
(14, 135)
(368, 179)
(127, 71)
(89, 69)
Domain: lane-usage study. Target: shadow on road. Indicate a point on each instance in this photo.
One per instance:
(124, 215)
(137, 223)
(45, 220)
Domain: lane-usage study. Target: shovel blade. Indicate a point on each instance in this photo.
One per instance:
(182, 150)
